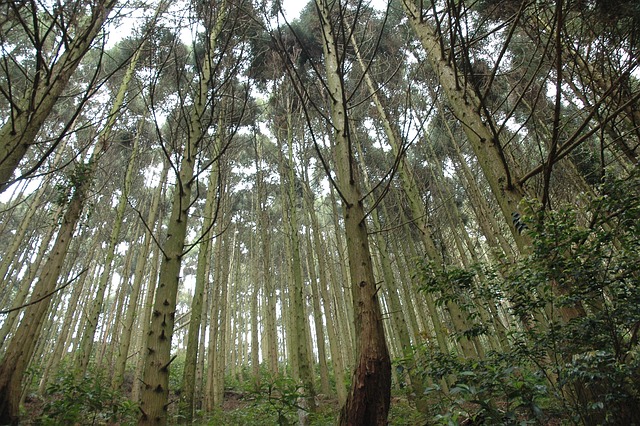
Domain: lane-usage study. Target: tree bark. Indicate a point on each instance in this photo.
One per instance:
(141, 263)
(202, 280)
(369, 398)
(155, 392)
(22, 345)
(466, 106)
(30, 112)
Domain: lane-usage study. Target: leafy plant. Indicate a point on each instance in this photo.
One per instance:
(279, 397)
(495, 390)
(89, 400)
(576, 295)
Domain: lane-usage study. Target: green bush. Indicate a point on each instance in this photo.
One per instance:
(496, 390)
(575, 298)
(89, 400)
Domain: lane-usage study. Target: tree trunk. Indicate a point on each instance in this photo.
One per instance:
(269, 310)
(64, 338)
(21, 347)
(202, 280)
(369, 398)
(155, 392)
(141, 262)
(86, 344)
(220, 356)
(30, 112)
(317, 315)
(299, 342)
(329, 307)
(466, 107)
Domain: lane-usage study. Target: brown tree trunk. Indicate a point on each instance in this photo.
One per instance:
(22, 345)
(369, 399)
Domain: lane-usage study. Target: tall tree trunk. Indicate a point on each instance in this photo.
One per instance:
(86, 344)
(138, 276)
(202, 279)
(20, 234)
(299, 320)
(255, 332)
(21, 348)
(369, 399)
(329, 306)
(399, 325)
(467, 107)
(63, 339)
(269, 310)
(215, 325)
(220, 356)
(155, 392)
(26, 282)
(317, 315)
(199, 379)
(29, 113)
(111, 326)
(340, 282)
(145, 323)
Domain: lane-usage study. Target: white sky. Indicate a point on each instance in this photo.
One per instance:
(292, 8)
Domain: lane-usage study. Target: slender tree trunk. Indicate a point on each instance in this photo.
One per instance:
(63, 339)
(466, 106)
(141, 263)
(220, 355)
(202, 279)
(86, 344)
(30, 112)
(155, 392)
(147, 304)
(255, 332)
(219, 325)
(269, 309)
(329, 307)
(369, 399)
(25, 284)
(20, 234)
(21, 348)
(112, 331)
(215, 324)
(299, 341)
(199, 379)
(317, 315)
(341, 282)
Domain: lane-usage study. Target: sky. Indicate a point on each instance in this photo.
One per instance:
(292, 8)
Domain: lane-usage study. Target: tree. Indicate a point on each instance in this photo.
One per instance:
(58, 40)
(214, 69)
(369, 399)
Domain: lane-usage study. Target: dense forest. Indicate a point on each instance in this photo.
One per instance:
(396, 212)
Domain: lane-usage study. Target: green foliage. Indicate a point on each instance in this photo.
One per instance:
(577, 301)
(176, 369)
(403, 413)
(496, 390)
(87, 401)
(460, 286)
(583, 273)
(79, 176)
(275, 401)
(277, 398)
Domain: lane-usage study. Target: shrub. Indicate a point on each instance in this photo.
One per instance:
(89, 400)
(576, 296)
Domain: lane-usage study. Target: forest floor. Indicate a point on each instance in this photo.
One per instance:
(249, 409)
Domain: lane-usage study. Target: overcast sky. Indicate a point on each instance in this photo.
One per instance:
(292, 8)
